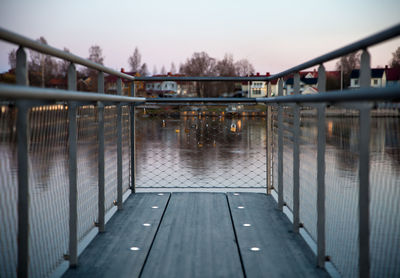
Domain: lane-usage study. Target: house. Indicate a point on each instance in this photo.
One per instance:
(392, 76)
(167, 88)
(378, 78)
(256, 89)
(308, 84)
(111, 84)
(58, 83)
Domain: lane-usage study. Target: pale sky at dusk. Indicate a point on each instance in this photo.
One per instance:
(272, 35)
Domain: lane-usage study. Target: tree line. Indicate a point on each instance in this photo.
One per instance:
(42, 68)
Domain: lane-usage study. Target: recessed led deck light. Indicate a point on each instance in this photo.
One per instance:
(240, 207)
(160, 194)
(255, 249)
(134, 248)
(146, 224)
(154, 207)
(246, 225)
(236, 194)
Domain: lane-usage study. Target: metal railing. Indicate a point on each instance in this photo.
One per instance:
(27, 98)
(359, 99)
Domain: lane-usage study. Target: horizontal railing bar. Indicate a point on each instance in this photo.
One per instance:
(379, 37)
(201, 78)
(49, 50)
(388, 93)
(207, 99)
(362, 94)
(25, 92)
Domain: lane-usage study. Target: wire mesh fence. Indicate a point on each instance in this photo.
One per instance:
(49, 182)
(8, 180)
(342, 184)
(201, 150)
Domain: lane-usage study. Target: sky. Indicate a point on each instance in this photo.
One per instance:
(272, 35)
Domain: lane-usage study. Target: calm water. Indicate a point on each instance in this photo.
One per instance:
(203, 153)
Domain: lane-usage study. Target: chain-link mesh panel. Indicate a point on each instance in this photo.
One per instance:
(274, 116)
(341, 179)
(385, 191)
(8, 191)
(288, 156)
(126, 148)
(110, 155)
(308, 170)
(201, 151)
(48, 187)
(87, 160)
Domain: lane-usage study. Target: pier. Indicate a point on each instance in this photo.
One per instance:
(73, 205)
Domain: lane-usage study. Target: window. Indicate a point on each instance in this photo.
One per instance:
(356, 82)
(375, 81)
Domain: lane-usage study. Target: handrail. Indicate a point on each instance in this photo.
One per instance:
(362, 94)
(46, 49)
(379, 37)
(25, 92)
(376, 38)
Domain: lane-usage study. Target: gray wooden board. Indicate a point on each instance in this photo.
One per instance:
(110, 254)
(282, 253)
(195, 239)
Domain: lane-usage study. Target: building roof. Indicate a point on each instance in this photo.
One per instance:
(375, 73)
(57, 82)
(113, 79)
(392, 74)
(308, 81)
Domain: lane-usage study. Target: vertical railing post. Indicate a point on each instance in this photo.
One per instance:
(280, 147)
(363, 197)
(133, 141)
(269, 142)
(321, 171)
(72, 173)
(101, 208)
(119, 146)
(23, 169)
(296, 157)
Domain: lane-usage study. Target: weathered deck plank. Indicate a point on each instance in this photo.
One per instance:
(198, 235)
(109, 255)
(282, 253)
(195, 239)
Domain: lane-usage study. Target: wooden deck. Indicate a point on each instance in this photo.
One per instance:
(198, 235)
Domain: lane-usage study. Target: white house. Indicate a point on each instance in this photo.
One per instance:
(257, 89)
(378, 78)
(308, 85)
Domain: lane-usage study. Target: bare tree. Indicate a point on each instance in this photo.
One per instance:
(173, 68)
(395, 62)
(95, 55)
(41, 67)
(143, 70)
(12, 58)
(200, 64)
(155, 70)
(347, 64)
(226, 67)
(244, 67)
(163, 70)
(63, 65)
(135, 60)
